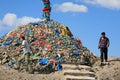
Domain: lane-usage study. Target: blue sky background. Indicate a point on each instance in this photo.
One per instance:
(85, 18)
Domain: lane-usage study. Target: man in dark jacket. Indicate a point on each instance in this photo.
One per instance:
(103, 46)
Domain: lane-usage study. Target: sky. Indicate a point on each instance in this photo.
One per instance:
(85, 18)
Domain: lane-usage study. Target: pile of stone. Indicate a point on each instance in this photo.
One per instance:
(51, 40)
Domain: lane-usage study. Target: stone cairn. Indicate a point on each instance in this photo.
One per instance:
(49, 39)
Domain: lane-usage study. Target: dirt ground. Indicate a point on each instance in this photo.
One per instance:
(109, 71)
(7, 73)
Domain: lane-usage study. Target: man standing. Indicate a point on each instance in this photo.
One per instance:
(26, 55)
(103, 46)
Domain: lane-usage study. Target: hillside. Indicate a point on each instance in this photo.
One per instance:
(106, 72)
(54, 41)
(109, 71)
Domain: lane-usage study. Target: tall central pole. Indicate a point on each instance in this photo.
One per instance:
(46, 10)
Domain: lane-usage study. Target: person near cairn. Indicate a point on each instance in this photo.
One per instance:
(26, 55)
(103, 46)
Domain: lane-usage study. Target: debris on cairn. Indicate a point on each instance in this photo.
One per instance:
(51, 40)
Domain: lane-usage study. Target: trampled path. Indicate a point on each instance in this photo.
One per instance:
(78, 72)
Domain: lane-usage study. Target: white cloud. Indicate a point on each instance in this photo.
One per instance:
(111, 4)
(25, 20)
(11, 21)
(70, 7)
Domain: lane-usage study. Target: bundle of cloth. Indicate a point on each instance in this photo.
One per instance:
(46, 10)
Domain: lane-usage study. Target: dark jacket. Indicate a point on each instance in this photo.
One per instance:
(106, 43)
